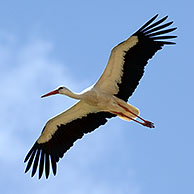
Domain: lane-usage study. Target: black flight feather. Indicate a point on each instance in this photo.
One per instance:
(136, 58)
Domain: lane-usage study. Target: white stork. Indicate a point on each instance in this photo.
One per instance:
(106, 99)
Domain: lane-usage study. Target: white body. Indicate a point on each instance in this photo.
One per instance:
(100, 97)
(93, 100)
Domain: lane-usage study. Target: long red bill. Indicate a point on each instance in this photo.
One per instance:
(50, 93)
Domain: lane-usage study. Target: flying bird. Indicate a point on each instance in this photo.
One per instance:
(105, 99)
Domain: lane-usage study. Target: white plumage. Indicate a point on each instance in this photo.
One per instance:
(113, 73)
(106, 99)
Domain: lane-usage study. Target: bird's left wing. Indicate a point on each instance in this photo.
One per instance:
(128, 59)
(60, 133)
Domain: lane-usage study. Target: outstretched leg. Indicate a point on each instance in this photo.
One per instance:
(144, 123)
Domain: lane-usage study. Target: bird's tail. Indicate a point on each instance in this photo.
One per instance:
(130, 113)
(126, 111)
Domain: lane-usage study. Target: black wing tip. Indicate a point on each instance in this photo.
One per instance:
(146, 24)
(26, 170)
(164, 18)
(167, 42)
(37, 157)
(154, 17)
(30, 157)
(152, 30)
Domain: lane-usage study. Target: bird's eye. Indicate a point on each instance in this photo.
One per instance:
(60, 88)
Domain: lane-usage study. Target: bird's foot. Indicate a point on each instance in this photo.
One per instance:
(148, 124)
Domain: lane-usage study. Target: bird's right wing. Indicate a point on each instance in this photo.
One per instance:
(128, 59)
(60, 133)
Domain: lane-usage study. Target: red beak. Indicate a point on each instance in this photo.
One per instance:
(50, 93)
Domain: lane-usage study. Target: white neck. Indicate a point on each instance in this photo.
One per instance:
(71, 94)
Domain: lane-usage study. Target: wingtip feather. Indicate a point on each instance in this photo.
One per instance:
(147, 23)
(35, 163)
(41, 167)
(30, 161)
(47, 165)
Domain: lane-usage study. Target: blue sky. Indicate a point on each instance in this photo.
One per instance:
(44, 44)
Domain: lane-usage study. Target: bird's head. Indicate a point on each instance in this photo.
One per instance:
(59, 90)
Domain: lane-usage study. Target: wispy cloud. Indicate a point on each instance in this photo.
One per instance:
(28, 70)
